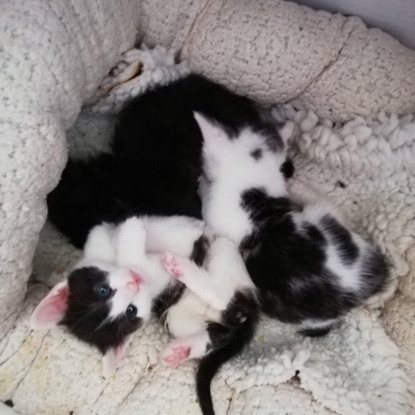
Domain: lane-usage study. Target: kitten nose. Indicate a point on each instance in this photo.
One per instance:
(135, 278)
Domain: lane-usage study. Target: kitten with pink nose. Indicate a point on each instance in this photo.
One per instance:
(110, 293)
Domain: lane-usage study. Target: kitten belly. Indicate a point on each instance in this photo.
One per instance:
(189, 316)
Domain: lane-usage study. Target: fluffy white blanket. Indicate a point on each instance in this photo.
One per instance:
(55, 53)
(356, 369)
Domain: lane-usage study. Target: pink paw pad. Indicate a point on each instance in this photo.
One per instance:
(175, 355)
(172, 266)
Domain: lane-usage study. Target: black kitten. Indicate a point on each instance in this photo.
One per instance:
(156, 162)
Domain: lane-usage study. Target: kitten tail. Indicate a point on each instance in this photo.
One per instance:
(236, 337)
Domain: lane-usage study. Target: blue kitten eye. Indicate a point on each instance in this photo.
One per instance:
(131, 311)
(103, 290)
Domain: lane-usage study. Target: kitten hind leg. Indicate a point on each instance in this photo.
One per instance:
(196, 279)
(180, 350)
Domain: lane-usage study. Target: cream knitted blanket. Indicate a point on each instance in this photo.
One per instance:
(354, 370)
(55, 53)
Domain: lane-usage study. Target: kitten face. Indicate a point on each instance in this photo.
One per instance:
(100, 306)
(110, 292)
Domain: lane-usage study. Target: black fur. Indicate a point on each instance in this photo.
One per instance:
(318, 332)
(228, 339)
(342, 239)
(200, 250)
(256, 154)
(86, 312)
(168, 297)
(156, 160)
(288, 265)
(109, 189)
(287, 169)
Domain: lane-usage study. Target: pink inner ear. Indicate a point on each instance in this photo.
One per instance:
(211, 132)
(51, 309)
(112, 359)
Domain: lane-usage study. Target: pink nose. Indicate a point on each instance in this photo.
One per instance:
(135, 278)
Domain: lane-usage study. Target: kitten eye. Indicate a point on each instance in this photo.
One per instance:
(131, 311)
(104, 290)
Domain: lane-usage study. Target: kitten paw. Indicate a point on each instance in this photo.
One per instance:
(172, 266)
(175, 354)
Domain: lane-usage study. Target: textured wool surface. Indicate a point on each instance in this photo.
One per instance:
(356, 369)
(55, 53)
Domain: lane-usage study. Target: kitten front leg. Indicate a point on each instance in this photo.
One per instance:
(131, 242)
(196, 279)
(180, 350)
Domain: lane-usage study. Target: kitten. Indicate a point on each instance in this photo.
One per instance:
(156, 161)
(222, 283)
(109, 294)
(117, 286)
(309, 268)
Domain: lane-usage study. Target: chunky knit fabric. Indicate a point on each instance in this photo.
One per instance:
(54, 54)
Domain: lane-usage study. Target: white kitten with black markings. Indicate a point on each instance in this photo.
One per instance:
(109, 294)
(118, 286)
(228, 172)
(309, 268)
(222, 282)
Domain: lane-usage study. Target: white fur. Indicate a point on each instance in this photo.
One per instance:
(99, 244)
(172, 233)
(189, 315)
(224, 273)
(230, 169)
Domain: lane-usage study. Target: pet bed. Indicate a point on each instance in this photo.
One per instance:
(330, 69)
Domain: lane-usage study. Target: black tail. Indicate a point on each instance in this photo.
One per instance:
(237, 330)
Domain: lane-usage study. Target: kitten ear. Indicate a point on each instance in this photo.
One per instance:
(210, 130)
(99, 243)
(131, 244)
(286, 132)
(51, 309)
(112, 358)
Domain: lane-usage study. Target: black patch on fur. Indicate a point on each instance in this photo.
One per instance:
(342, 239)
(288, 264)
(200, 250)
(168, 297)
(9, 403)
(86, 312)
(156, 161)
(256, 154)
(228, 339)
(341, 184)
(318, 332)
(287, 169)
(260, 206)
(314, 234)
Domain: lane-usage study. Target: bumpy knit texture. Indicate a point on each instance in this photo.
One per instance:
(53, 56)
(355, 369)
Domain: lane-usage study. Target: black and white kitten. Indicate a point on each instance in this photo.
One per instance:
(118, 285)
(156, 161)
(309, 268)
